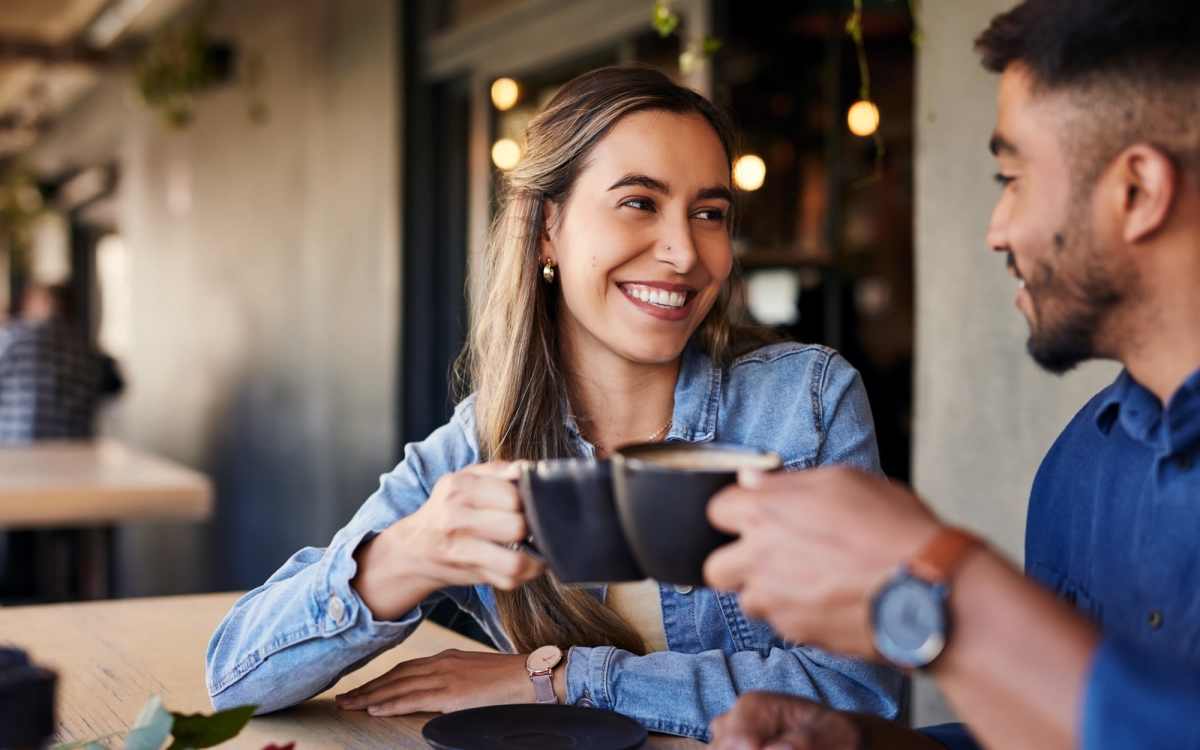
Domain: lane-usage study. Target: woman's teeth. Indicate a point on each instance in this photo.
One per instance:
(660, 297)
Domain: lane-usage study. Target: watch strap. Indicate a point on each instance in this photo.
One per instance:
(543, 686)
(940, 558)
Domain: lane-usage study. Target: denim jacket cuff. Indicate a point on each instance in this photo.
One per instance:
(341, 611)
(587, 676)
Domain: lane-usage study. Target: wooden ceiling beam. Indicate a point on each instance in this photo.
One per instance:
(16, 49)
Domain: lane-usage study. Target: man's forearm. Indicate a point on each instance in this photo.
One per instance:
(1017, 660)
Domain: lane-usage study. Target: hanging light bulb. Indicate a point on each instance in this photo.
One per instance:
(863, 118)
(749, 172)
(505, 93)
(505, 154)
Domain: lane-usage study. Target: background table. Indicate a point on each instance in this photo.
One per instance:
(65, 483)
(89, 486)
(112, 656)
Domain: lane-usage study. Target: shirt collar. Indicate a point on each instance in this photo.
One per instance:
(1141, 415)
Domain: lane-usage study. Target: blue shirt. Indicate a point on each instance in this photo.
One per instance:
(1114, 529)
(306, 626)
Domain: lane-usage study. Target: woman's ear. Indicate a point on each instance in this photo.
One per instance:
(551, 213)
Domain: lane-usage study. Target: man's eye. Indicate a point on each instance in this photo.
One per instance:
(1004, 180)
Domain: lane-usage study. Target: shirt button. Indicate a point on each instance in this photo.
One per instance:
(1155, 619)
(337, 610)
(684, 590)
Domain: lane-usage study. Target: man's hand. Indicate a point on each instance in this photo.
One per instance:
(773, 721)
(814, 546)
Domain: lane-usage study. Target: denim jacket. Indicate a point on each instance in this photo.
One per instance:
(299, 632)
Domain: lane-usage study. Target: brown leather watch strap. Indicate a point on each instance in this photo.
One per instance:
(941, 556)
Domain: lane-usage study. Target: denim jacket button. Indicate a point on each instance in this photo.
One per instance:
(337, 610)
(685, 590)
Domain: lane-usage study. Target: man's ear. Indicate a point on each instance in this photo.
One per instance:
(1143, 185)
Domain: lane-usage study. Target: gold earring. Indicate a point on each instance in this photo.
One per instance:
(548, 272)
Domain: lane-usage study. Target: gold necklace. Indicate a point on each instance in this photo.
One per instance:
(658, 435)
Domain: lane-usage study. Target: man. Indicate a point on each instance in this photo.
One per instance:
(51, 379)
(1098, 146)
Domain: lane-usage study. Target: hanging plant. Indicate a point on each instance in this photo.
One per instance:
(666, 22)
(183, 61)
(21, 204)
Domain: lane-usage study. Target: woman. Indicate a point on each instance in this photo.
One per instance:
(603, 322)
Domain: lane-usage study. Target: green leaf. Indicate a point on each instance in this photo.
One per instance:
(198, 730)
(665, 20)
(712, 45)
(152, 727)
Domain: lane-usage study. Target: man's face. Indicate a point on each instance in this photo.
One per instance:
(1069, 282)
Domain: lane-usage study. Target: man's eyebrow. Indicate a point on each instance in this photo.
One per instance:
(1000, 145)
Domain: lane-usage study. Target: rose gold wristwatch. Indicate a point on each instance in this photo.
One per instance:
(540, 665)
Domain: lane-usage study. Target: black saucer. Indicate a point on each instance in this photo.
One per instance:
(532, 726)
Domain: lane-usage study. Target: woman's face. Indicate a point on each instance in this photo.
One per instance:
(642, 244)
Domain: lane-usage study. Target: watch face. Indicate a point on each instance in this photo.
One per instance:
(910, 621)
(546, 657)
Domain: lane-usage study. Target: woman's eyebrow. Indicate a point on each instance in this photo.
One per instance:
(719, 192)
(642, 180)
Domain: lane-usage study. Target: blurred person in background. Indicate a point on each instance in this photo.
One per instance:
(52, 380)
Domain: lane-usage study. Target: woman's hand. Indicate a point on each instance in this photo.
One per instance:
(450, 681)
(459, 537)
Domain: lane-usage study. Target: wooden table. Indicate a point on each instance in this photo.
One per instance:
(112, 656)
(64, 483)
(88, 487)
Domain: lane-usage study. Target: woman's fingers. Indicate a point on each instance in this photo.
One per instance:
(391, 692)
(500, 526)
(472, 489)
(428, 701)
(410, 668)
(500, 566)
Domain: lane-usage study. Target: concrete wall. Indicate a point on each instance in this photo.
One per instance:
(985, 414)
(265, 286)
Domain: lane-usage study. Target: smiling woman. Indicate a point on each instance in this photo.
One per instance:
(603, 320)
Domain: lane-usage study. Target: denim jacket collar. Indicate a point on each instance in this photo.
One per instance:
(697, 397)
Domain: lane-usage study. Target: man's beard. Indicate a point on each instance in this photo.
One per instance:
(1081, 306)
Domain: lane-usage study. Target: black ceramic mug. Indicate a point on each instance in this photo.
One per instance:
(573, 521)
(662, 492)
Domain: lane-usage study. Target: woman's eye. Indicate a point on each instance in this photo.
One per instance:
(641, 204)
(711, 214)
(1004, 180)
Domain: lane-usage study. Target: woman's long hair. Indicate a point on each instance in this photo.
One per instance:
(512, 360)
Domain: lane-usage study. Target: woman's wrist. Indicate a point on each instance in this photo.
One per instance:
(390, 580)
